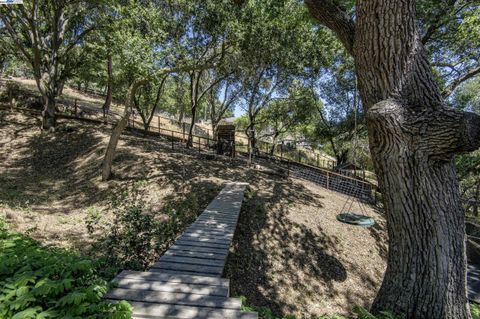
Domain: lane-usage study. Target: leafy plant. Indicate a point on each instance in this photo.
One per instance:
(136, 237)
(475, 311)
(40, 282)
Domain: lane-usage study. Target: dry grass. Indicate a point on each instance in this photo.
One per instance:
(289, 251)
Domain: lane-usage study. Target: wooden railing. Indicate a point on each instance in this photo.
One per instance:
(324, 176)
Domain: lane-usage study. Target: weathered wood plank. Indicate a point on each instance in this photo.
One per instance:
(200, 269)
(209, 225)
(183, 272)
(212, 240)
(174, 278)
(199, 249)
(195, 254)
(172, 287)
(193, 261)
(201, 244)
(156, 311)
(207, 233)
(174, 298)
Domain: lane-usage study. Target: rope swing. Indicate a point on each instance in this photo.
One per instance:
(346, 215)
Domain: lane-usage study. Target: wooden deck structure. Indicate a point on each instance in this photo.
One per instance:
(186, 282)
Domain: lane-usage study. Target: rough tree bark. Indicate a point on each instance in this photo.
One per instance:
(118, 129)
(49, 120)
(413, 140)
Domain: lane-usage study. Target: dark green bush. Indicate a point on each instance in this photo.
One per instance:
(39, 282)
(136, 238)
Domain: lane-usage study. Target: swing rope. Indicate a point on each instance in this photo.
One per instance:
(346, 216)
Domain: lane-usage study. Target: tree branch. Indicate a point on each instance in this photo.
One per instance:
(437, 22)
(439, 133)
(455, 83)
(335, 18)
(16, 39)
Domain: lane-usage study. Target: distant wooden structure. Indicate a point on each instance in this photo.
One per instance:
(226, 140)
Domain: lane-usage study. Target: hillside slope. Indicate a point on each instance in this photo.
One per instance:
(289, 251)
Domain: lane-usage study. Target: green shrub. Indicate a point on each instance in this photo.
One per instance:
(135, 238)
(39, 282)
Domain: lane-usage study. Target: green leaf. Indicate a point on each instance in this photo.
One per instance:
(27, 313)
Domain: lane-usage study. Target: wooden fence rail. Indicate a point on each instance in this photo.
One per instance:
(331, 180)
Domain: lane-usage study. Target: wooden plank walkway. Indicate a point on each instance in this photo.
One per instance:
(186, 281)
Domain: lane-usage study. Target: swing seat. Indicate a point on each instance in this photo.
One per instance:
(355, 219)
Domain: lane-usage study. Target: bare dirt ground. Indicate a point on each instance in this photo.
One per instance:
(289, 252)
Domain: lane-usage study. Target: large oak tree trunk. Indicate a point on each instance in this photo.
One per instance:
(425, 276)
(413, 139)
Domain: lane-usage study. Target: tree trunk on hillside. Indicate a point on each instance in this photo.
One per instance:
(274, 143)
(214, 128)
(108, 99)
(49, 120)
(194, 98)
(112, 145)
(61, 85)
(117, 131)
(192, 125)
(148, 120)
(252, 142)
(413, 140)
(181, 115)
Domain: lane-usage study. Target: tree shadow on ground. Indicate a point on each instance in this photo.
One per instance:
(379, 232)
(65, 168)
(274, 256)
(46, 169)
(295, 245)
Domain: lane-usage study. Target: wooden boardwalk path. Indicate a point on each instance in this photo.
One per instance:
(186, 282)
